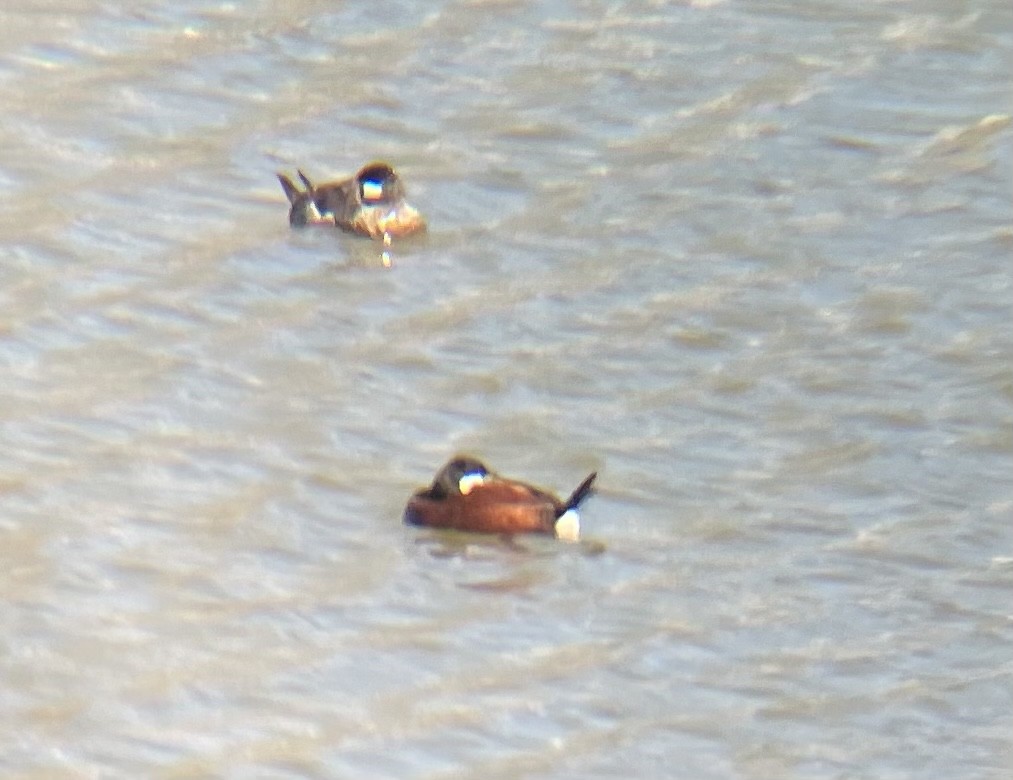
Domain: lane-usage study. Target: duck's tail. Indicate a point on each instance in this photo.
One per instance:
(585, 489)
(292, 192)
(568, 522)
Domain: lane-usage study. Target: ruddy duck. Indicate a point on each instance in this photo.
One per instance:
(466, 496)
(371, 203)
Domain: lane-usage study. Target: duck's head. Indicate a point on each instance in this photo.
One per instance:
(378, 184)
(459, 477)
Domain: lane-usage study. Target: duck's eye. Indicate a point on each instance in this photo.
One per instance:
(372, 190)
(469, 482)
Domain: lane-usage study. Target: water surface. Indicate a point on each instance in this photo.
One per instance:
(750, 262)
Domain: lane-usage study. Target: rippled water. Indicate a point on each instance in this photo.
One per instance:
(749, 261)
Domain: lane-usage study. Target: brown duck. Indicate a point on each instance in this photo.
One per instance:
(371, 203)
(466, 496)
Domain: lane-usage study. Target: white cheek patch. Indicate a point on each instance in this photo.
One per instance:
(568, 526)
(372, 190)
(469, 482)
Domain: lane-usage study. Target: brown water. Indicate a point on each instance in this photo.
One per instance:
(749, 261)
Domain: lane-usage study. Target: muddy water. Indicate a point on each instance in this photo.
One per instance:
(749, 262)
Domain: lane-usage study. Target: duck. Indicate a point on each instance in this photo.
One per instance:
(371, 203)
(466, 496)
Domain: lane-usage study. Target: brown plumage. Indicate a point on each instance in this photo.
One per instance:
(371, 203)
(466, 496)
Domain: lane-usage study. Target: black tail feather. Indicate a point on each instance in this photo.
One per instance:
(306, 182)
(291, 191)
(582, 492)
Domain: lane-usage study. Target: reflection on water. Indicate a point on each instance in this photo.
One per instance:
(749, 263)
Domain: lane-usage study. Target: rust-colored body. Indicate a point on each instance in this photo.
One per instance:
(491, 505)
